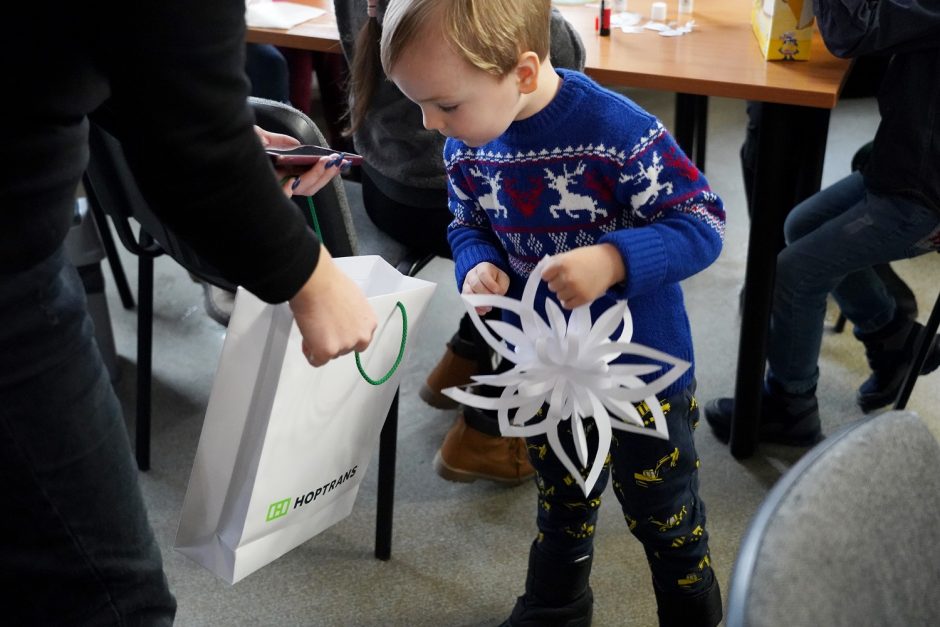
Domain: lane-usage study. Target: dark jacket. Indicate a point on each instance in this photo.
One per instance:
(905, 159)
(173, 73)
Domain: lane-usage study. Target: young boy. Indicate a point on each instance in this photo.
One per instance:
(545, 162)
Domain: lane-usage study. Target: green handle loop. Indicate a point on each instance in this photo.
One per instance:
(401, 351)
(401, 307)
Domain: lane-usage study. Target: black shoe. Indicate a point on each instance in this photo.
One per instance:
(791, 419)
(890, 352)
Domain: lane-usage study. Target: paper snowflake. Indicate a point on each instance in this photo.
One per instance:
(566, 363)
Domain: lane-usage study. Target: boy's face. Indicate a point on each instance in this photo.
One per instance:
(457, 99)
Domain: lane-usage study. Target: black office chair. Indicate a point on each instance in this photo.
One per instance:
(848, 535)
(112, 191)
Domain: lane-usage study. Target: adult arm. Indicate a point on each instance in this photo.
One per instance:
(179, 96)
(855, 27)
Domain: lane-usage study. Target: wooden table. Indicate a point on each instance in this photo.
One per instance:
(720, 58)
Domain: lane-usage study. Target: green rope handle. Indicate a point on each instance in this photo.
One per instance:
(401, 308)
(401, 351)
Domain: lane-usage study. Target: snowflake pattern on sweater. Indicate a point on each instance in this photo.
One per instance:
(591, 167)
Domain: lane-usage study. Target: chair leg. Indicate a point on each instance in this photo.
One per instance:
(920, 356)
(691, 126)
(701, 130)
(144, 355)
(839, 326)
(386, 488)
(114, 260)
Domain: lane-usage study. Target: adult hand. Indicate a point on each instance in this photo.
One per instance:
(485, 278)
(581, 275)
(305, 182)
(332, 313)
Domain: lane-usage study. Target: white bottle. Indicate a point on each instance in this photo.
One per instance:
(685, 7)
(620, 6)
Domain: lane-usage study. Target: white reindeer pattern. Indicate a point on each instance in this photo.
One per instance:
(490, 200)
(650, 174)
(571, 202)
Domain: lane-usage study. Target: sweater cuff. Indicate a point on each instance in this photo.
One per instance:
(644, 257)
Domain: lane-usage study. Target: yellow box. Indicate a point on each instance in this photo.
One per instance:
(784, 28)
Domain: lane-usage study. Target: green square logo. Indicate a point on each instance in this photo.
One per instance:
(276, 510)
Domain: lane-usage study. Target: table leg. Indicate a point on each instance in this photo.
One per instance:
(690, 126)
(791, 147)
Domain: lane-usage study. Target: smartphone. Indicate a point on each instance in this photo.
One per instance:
(307, 156)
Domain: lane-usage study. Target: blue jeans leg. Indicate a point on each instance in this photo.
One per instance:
(75, 544)
(833, 239)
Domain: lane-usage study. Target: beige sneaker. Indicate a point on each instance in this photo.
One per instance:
(467, 455)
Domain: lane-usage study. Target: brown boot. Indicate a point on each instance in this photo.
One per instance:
(452, 370)
(467, 455)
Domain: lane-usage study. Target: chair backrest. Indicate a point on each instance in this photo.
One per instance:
(111, 186)
(850, 535)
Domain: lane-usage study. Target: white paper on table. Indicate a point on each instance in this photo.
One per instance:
(283, 15)
(566, 363)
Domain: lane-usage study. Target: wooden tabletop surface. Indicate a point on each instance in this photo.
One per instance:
(719, 58)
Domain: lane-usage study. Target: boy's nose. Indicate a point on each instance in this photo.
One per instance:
(431, 122)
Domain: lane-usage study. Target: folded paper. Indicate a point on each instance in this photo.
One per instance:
(279, 15)
(566, 363)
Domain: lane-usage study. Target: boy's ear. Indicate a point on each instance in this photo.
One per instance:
(527, 72)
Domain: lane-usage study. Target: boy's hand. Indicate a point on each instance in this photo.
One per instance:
(581, 275)
(485, 278)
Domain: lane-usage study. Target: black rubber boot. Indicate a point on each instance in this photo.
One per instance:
(557, 593)
(791, 419)
(680, 610)
(890, 351)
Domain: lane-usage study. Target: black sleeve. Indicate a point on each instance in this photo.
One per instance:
(180, 96)
(854, 27)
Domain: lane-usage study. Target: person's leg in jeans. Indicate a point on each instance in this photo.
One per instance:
(267, 71)
(77, 547)
(834, 239)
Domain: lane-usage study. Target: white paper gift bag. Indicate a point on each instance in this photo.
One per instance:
(284, 445)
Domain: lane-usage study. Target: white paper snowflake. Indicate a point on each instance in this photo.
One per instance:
(566, 363)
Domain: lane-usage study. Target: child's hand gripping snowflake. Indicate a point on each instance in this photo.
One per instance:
(485, 278)
(582, 275)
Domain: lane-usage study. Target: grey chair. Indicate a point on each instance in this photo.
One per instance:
(849, 535)
(113, 192)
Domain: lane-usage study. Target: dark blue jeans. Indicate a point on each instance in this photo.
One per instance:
(656, 482)
(834, 237)
(75, 544)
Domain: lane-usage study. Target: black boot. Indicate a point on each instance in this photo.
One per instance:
(904, 298)
(785, 418)
(890, 351)
(680, 610)
(557, 593)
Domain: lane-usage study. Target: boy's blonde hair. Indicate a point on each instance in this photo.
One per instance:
(490, 34)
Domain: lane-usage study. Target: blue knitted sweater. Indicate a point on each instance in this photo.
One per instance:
(591, 167)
